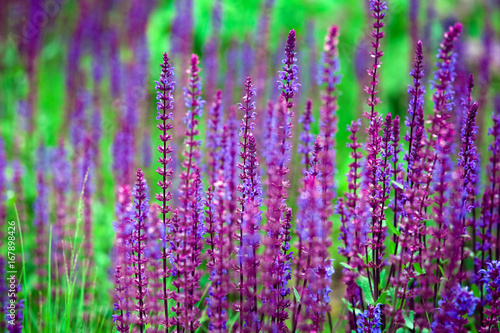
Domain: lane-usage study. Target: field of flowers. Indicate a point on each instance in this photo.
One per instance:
(250, 166)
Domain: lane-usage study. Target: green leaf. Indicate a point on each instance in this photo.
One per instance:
(346, 265)
(362, 282)
(296, 293)
(417, 268)
(398, 185)
(382, 299)
(392, 228)
(475, 290)
(442, 270)
(409, 319)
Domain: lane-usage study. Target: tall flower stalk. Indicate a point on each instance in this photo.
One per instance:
(190, 232)
(164, 90)
(139, 245)
(374, 149)
(248, 183)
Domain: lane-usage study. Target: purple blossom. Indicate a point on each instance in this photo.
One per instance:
(190, 228)
(370, 321)
(306, 137)
(139, 237)
(491, 280)
(288, 78)
(456, 304)
(218, 234)
(276, 263)
(248, 186)
(416, 105)
(164, 95)
(214, 137)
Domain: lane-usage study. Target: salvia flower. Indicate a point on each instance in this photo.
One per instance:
(248, 186)
(306, 137)
(139, 238)
(217, 238)
(416, 105)
(190, 229)
(288, 82)
(165, 87)
(370, 321)
(456, 304)
(276, 262)
(491, 280)
(214, 137)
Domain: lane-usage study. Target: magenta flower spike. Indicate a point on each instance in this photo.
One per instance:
(276, 259)
(124, 273)
(250, 189)
(214, 137)
(190, 227)
(457, 303)
(490, 277)
(288, 82)
(328, 117)
(218, 264)
(444, 76)
(374, 190)
(306, 138)
(165, 100)
(416, 105)
(139, 260)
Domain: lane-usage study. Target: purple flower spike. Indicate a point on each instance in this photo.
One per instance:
(328, 117)
(370, 321)
(415, 108)
(277, 259)
(190, 228)
(491, 280)
(248, 185)
(165, 103)
(377, 9)
(374, 147)
(121, 300)
(306, 137)
(489, 220)
(288, 83)
(456, 304)
(444, 76)
(467, 156)
(214, 137)
(139, 237)
(124, 273)
(218, 264)
(316, 204)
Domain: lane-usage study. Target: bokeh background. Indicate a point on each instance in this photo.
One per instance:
(105, 54)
